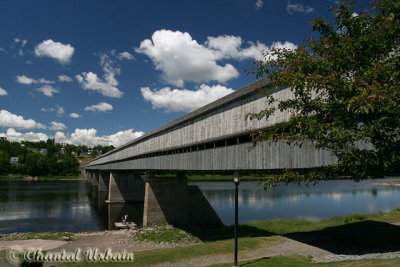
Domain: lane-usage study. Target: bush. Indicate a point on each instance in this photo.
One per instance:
(356, 217)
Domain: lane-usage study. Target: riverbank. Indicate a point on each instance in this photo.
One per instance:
(283, 241)
(18, 177)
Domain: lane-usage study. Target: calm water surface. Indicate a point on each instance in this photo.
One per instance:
(73, 206)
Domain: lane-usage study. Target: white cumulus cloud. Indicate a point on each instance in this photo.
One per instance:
(57, 126)
(60, 110)
(86, 137)
(64, 78)
(184, 99)
(100, 107)
(75, 115)
(14, 136)
(89, 137)
(180, 58)
(56, 50)
(107, 85)
(292, 8)
(3, 92)
(123, 137)
(22, 44)
(60, 137)
(259, 4)
(48, 90)
(126, 56)
(8, 119)
(231, 47)
(22, 79)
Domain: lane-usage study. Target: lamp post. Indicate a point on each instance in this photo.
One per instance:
(236, 179)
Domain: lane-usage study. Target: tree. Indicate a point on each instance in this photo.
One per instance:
(346, 84)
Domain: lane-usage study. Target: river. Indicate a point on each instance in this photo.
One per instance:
(68, 206)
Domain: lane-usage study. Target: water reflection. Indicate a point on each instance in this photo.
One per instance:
(326, 199)
(74, 206)
(111, 213)
(45, 206)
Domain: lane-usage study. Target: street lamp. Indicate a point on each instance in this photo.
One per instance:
(236, 179)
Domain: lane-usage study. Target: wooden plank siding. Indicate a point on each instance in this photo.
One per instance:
(263, 157)
(220, 120)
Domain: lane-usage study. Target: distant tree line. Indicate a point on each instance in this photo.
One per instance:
(45, 158)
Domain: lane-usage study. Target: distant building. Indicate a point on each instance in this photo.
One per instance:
(43, 150)
(35, 150)
(14, 160)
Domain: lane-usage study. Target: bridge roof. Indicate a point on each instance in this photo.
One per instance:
(244, 91)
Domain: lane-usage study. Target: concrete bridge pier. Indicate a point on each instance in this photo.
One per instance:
(92, 177)
(125, 186)
(95, 175)
(172, 200)
(86, 174)
(104, 181)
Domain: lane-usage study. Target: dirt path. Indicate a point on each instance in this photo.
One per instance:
(285, 247)
(119, 241)
(31, 243)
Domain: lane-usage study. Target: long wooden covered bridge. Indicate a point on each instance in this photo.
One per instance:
(214, 138)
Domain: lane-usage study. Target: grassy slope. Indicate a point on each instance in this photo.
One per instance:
(263, 234)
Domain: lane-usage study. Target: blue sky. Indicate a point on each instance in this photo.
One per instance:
(105, 72)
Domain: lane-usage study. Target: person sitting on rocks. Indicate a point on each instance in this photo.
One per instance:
(125, 219)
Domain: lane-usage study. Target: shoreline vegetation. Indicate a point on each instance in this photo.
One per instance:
(191, 178)
(28, 178)
(372, 231)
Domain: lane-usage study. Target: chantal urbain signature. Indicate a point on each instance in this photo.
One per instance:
(90, 255)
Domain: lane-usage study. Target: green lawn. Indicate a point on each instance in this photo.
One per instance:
(351, 232)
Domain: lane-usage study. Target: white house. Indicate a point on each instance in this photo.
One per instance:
(14, 160)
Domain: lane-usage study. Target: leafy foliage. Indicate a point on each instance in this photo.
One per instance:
(346, 88)
(55, 159)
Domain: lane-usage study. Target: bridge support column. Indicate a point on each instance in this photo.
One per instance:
(125, 187)
(104, 180)
(86, 175)
(170, 199)
(95, 178)
(91, 177)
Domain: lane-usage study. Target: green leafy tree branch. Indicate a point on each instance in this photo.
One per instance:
(346, 87)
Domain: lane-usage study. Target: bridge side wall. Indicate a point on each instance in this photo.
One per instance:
(223, 121)
(263, 157)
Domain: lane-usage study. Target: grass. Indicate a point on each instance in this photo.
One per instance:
(356, 217)
(148, 258)
(43, 235)
(165, 234)
(66, 177)
(354, 231)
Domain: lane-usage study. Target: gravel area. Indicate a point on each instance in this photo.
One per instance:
(121, 240)
(337, 258)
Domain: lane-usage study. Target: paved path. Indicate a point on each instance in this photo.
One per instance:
(119, 241)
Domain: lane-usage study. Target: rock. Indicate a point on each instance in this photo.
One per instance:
(28, 178)
(66, 238)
